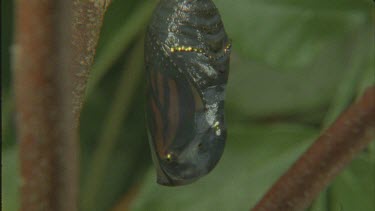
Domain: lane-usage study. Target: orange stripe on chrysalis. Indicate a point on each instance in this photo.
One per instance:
(159, 81)
(173, 112)
(158, 128)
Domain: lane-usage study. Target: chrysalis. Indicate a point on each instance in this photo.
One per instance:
(187, 63)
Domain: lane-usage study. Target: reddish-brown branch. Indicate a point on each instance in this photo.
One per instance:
(48, 144)
(335, 148)
(50, 77)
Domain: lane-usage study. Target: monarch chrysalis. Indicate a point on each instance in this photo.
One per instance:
(187, 63)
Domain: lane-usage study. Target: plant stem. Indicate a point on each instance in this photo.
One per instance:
(87, 22)
(54, 51)
(352, 131)
(48, 142)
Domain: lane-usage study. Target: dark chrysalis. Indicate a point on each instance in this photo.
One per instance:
(187, 63)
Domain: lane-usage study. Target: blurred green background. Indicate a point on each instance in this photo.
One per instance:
(295, 66)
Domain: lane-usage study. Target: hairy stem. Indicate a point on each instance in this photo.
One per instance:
(54, 50)
(48, 144)
(87, 22)
(352, 131)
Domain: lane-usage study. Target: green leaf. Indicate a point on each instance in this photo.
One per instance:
(114, 47)
(10, 179)
(106, 161)
(290, 56)
(354, 189)
(346, 89)
(290, 34)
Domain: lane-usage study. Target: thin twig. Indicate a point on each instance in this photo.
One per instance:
(87, 22)
(48, 145)
(353, 130)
